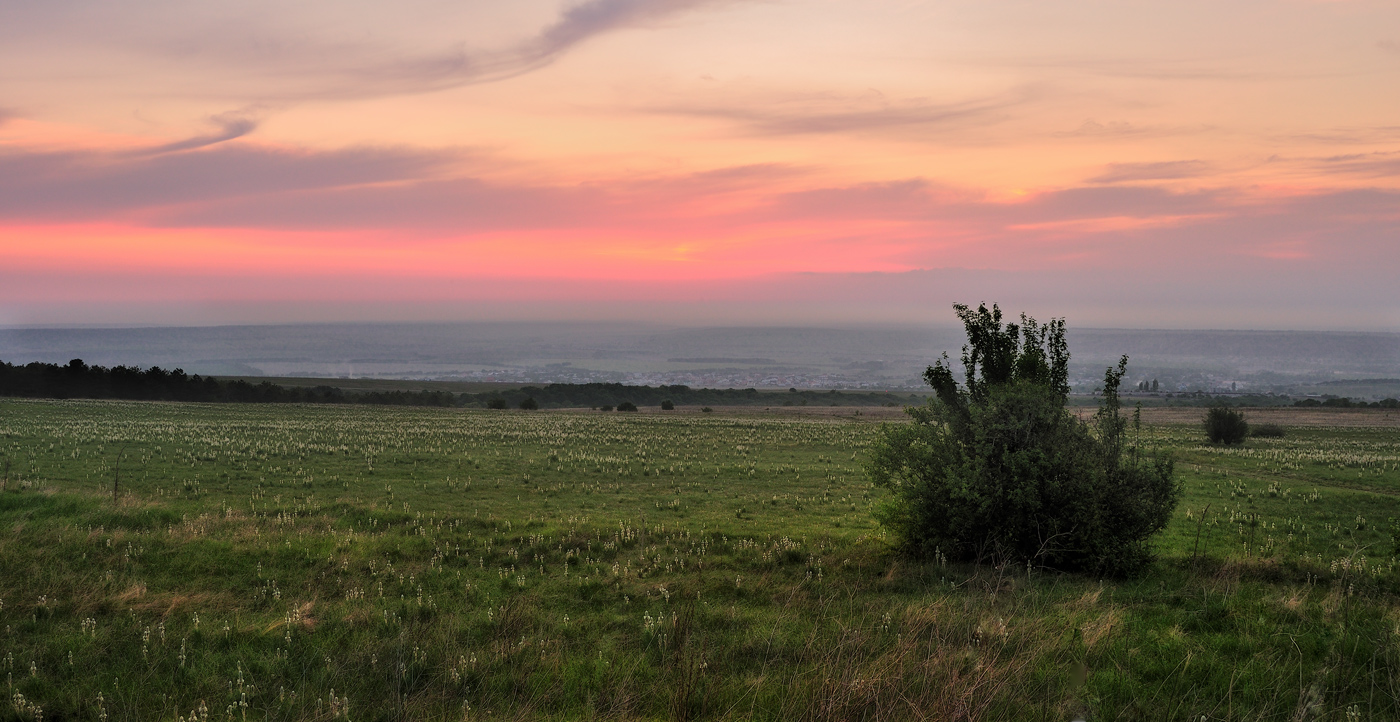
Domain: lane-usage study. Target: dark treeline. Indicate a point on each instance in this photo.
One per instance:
(598, 395)
(77, 380)
(1262, 400)
(1202, 399)
(1338, 402)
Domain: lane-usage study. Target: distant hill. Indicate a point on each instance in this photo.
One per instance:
(889, 357)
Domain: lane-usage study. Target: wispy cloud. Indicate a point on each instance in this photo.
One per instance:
(1166, 170)
(451, 191)
(277, 69)
(1383, 164)
(868, 114)
(462, 206)
(87, 185)
(264, 51)
(458, 67)
(1221, 68)
(230, 126)
(595, 17)
(1344, 135)
(429, 213)
(1122, 129)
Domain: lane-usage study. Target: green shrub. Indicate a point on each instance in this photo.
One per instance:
(605, 407)
(706, 409)
(667, 405)
(1225, 425)
(497, 403)
(529, 404)
(998, 470)
(626, 406)
(1266, 431)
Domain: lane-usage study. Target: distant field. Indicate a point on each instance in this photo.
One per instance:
(383, 563)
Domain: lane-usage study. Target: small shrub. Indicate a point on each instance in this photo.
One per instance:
(1266, 431)
(605, 408)
(496, 403)
(667, 405)
(627, 406)
(997, 469)
(1225, 425)
(706, 409)
(529, 404)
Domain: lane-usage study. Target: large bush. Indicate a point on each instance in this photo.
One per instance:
(998, 470)
(1224, 425)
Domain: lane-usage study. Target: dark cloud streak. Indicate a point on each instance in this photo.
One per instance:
(817, 116)
(71, 185)
(458, 67)
(1371, 165)
(230, 127)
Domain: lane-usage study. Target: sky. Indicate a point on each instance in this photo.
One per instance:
(1120, 163)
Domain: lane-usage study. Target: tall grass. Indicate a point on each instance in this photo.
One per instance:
(333, 563)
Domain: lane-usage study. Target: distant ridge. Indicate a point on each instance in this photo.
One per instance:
(717, 357)
(721, 360)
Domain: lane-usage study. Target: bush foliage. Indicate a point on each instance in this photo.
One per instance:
(1225, 425)
(999, 470)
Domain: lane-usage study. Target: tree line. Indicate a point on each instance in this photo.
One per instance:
(78, 380)
(599, 395)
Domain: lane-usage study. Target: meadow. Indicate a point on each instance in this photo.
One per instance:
(288, 562)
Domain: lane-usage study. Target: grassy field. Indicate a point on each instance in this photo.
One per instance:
(375, 563)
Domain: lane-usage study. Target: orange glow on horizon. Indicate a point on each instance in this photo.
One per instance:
(600, 142)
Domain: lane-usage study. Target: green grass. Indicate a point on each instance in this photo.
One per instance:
(271, 562)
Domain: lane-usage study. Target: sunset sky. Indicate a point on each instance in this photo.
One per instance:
(1183, 164)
